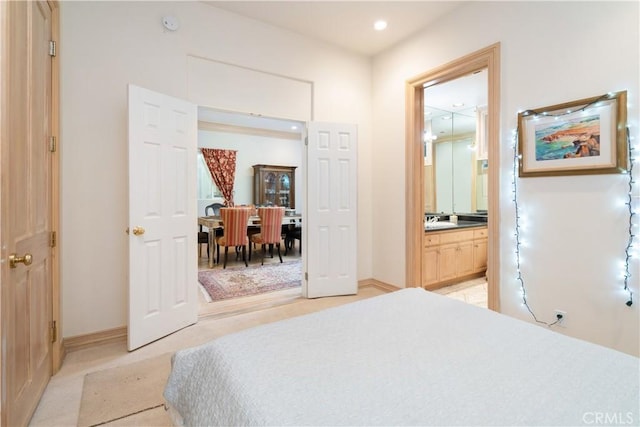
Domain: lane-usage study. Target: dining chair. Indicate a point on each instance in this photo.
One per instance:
(234, 232)
(203, 236)
(203, 239)
(292, 234)
(215, 209)
(270, 230)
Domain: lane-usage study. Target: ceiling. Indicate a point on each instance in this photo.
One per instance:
(451, 106)
(348, 24)
(241, 120)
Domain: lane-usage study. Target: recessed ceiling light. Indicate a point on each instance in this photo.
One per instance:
(380, 25)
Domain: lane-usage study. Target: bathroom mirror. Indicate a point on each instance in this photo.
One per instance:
(455, 158)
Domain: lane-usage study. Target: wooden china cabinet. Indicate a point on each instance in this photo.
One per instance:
(274, 186)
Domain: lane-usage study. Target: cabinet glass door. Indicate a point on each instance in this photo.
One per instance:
(284, 190)
(270, 182)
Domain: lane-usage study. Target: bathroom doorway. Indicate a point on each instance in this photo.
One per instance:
(486, 59)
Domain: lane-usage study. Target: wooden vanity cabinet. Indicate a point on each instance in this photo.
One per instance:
(430, 259)
(274, 186)
(453, 255)
(480, 250)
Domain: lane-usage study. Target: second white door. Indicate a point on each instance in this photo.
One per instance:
(162, 215)
(330, 224)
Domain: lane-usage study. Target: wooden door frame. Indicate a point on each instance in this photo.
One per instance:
(487, 58)
(57, 347)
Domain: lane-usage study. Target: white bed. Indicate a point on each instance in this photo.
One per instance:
(405, 358)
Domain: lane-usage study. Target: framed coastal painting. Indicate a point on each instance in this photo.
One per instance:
(582, 137)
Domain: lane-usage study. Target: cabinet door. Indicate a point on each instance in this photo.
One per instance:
(284, 189)
(269, 188)
(447, 262)
(479, 255)
(464, 263)
(430, 266)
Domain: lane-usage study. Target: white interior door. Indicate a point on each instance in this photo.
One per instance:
(162, 216)
(330, 221)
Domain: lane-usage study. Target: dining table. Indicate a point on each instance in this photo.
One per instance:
(214, 222)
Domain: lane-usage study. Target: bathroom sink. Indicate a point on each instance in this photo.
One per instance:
(439, 224)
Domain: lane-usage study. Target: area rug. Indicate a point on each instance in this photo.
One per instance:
(126, 393)
(237, 282)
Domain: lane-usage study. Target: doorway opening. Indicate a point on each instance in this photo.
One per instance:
(421, 263)
(257, 140)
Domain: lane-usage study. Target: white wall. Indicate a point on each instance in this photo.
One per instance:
(551, 52)
(106, 45)
(256, 150)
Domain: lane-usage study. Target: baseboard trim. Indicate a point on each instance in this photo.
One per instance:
(377, 284)
(444, 284)
(107, 336)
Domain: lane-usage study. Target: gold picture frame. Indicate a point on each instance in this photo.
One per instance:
(583, 137)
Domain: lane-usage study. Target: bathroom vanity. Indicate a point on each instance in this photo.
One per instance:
(453, 252)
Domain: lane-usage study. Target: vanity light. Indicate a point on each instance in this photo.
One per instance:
(429, 137)
(458, 104)
(380, 25)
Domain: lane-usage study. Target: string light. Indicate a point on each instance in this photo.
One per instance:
(595, 102)
(628, 250)
(626, 275)
(519, 244)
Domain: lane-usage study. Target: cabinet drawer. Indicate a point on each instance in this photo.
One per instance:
(431, 240)
(481, 233)
(456, 236)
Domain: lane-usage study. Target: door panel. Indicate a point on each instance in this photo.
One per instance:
(26, 207)
(331, 215)
(162, 202)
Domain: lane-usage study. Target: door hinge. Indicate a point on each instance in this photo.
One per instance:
(53, 332)
(306, 276)
(306, 140)
(52, 144)
(52, 48)
(53, 239)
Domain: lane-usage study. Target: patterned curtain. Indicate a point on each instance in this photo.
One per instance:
(222, 165)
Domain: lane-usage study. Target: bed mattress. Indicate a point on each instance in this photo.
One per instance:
(410, 357)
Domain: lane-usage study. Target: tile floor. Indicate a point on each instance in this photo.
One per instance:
(473, 291)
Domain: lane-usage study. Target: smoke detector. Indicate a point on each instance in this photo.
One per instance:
(170, 23)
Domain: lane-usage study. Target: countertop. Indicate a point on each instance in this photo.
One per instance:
(461, 224)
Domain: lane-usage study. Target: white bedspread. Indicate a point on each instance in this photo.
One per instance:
(405, 358)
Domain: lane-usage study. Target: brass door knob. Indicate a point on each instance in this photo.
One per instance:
(15, 260)
(138, 231)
